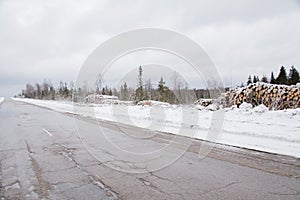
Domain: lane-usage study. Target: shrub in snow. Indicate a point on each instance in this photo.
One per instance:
(1, 99)
(260, 109)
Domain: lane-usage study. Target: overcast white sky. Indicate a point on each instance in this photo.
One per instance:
(51, 39)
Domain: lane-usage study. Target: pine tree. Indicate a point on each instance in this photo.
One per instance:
(282, 77)
(293, 76)
(249, 80)
(272, 80)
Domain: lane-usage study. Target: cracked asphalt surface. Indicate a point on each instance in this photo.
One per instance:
(35, 164)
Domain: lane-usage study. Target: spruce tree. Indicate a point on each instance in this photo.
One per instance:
(272, 80)
(282, 77)
(139, 93)
(257, 79)
(254, 79)
(124, 91)
(249, 80)
(163, 91)
(293, 76)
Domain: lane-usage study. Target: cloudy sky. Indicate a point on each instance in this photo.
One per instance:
(51, 39)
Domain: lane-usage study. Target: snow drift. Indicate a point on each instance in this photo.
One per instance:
(1, 99)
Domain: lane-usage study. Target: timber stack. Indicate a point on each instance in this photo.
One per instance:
(275, 97)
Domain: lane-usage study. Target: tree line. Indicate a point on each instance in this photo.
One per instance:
(282, 78)
(145, 90)
(47, 91)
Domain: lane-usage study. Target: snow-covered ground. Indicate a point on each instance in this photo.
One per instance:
(1, 99)
(253, 128)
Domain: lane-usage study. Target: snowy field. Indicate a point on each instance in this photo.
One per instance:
(253, 128)
(1, 99)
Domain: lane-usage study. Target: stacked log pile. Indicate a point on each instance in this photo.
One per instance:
(275, 97)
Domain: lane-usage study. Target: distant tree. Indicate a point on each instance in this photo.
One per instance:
(107, 90)
(29, 91)
(103, 91)
(38, 91)
(115, 92)
(272, 79)
(264, 79)
(161, 85)
(255, 79)
(66, 91)
(282, 77)
(84, 89)
(45, 90)
(249, 80)
(52, 93)
(126, 95)
(71, 86)
(97, 90)
(139, 93)
(124, 92)
(148, 89)
(293, 76)
(61, 88)
(164, 93)
(177, 88)
(99, 82)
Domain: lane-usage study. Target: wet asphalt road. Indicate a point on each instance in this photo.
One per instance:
(42, 157)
